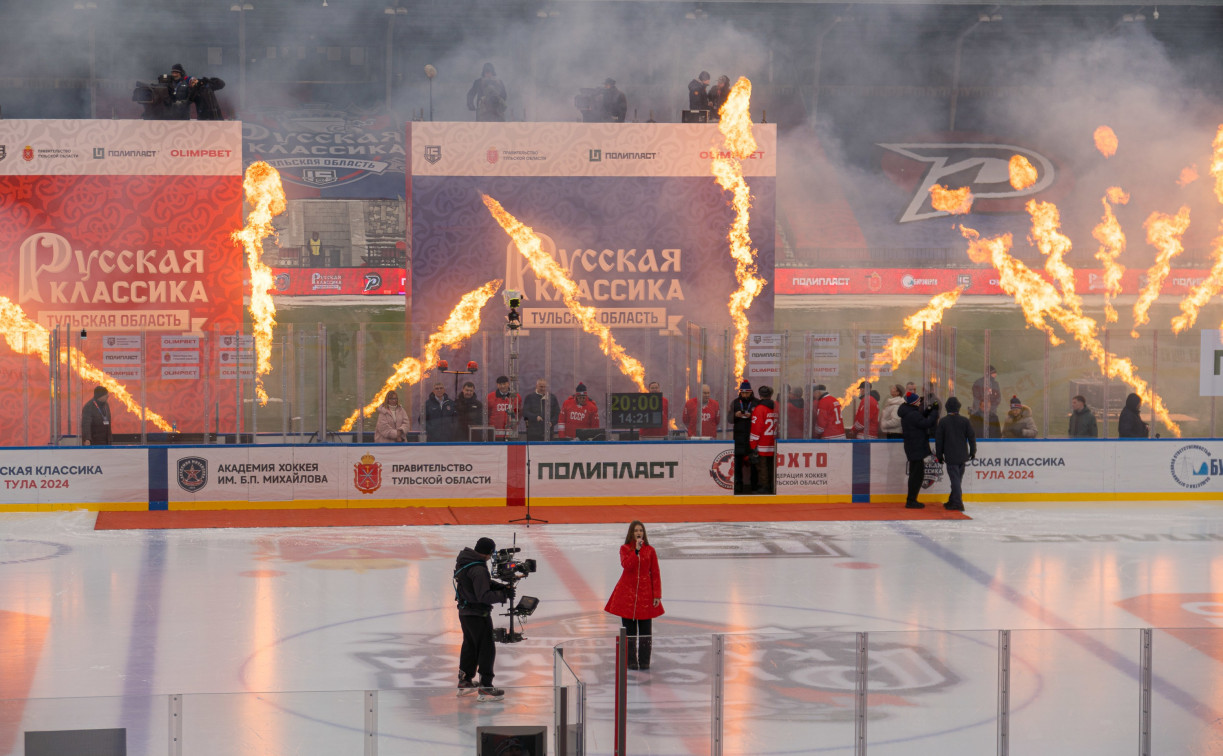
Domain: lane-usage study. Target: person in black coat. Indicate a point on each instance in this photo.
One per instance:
(1129, 423)
(954, 445)
(615, 104)
(916, 422)
(541, 411)
(470, 411)
(441, 416)
(698, 95)
(740, 417)
(95, 419)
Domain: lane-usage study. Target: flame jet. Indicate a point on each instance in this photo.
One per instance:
(463, 323)
(736, 128)
(1213, 284)
(37, 341)
(1053, 244)
(547, 268)
(1022, 172)
(1164, 232)
(1040, 301)
(264, 192)
(951, 201)
(1106, 141)
(898, 348)
(1112, 245)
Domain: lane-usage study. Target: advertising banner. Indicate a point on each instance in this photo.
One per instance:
(34, 479)
(565, 473)
(309, 282)
(974, 281)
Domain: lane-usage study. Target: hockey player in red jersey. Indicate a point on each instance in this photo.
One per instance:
(826, 419)
(866, 419)
(577, 412)
(763, 440)
(701, 415)
(504, 408)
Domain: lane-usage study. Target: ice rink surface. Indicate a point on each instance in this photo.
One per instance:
(271, 636)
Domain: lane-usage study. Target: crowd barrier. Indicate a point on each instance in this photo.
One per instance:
(584, 473)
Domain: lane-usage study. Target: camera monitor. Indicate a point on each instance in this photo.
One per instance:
(592, 434)
(508, 740)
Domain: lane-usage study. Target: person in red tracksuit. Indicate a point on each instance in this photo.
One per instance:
(826, 419)
(701, 415)
(577, 412)
(504, 408)
(866, 420)
(795, 412)
(763, 440)
(660, 432)
(637, 597)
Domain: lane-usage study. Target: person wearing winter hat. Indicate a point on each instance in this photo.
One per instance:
(763, 441)
(1019, 422)
(476, 592)
(577, 412)
(954, 445)
(487, 96)
(180, 93)
(747, 478)
(915, 424)
(984, 411)
(889, 418)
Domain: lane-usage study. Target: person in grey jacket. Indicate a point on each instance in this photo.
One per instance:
(954, 445)
(1082, 420)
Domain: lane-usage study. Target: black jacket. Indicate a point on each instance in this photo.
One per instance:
(1083, 424)
(475, 590)
(470, 413)
(533, 407)
(915, 425)
(698, 97)
(95, 423)
(615, 105)
(441, 419)
(954, 441)
(1130, 424)
(742, 425)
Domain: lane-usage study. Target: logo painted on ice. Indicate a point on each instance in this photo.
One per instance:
(192, 473)
(367, 475)
(1192, 466)
(723, 469)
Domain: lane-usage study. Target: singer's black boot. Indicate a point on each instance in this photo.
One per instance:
(647, 644)
(632, 652)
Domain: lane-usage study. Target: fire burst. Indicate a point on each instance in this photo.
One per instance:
(898, 348)
(1053, 244)
(1022, 172)
(267, 197)
(1202, 293)
(736, 128)
(464, 321)
(1106, 141)
(1189, 174)
(37, 341)
(547, 268)
(1164, 232)
(1039, 300)
(1112, 243)
(951, 201)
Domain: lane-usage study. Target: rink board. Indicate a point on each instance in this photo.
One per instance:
(569, 474)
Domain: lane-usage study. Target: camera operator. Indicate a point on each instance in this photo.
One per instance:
(614, 104)
(180, 93)
(475, 592)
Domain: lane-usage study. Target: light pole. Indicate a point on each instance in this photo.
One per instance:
(241, 9)
(90, 8)
(391, 12)
(430, 72)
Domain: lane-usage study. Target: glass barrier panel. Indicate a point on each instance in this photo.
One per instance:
(1086, 692)
(932, 692)
(1178, 372)
(593, 661)
(439, 722)
(144, 721)
(1187, 685)
(246, 724)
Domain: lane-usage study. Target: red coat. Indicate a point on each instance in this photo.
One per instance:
(633, 596)
(705, 417)
(827, 421)
(574, 416)
(860, 424)
(499, 408)
(764, 429)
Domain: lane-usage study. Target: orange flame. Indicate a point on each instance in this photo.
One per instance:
(1164, 232)
(736, 128)
(1106, 141)
(267, 197)
(1112, 244)
(898, 348)
(1189, 174)
(464, 321)
(1213, 284)
(1053, 244)
(14, 324)
(952, 201)
(1040, 301)
(1022, 172)
(549, 269)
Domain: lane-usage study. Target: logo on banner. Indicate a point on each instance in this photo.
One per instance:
(319, 176)
(3, 152)
(192, 473)
(983, 167)
(373, 282)
(963, 280)
(99, 153)
(433, 153)
(933, 473)
(596, 156)
(1192, 466)
(874, 281)
(27, 154)
(367, 475)
(282, 281)
(723, 469)
(492, 155)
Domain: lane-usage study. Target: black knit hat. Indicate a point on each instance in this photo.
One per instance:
(178, 67)
(485, 546)
(581, 388)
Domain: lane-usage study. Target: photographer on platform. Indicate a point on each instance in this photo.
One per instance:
(475, 592)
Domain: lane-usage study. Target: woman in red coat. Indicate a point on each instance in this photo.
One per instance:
(637, 597)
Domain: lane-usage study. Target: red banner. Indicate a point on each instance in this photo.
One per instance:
(976, 281)
(339, 281)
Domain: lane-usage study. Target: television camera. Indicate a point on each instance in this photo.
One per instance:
(508, 568)
(158, 100)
